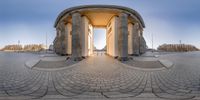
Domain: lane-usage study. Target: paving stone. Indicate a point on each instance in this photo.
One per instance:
(99, 77)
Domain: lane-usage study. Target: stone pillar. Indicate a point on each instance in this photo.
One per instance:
(136, 46)
(58, 42)
(63, 39)
(142, 43)
(55, 43)
(76, 36)
(123, 37)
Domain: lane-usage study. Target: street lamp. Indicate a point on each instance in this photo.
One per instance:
(18, 45)
(46, 42)
(152, 41)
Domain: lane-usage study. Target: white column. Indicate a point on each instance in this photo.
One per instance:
(63, 38)
(69, 38)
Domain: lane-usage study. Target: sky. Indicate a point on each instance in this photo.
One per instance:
(99, 38)
(168, 21)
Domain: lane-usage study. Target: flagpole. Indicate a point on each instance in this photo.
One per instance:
(46, 42)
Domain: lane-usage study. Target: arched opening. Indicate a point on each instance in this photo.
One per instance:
(99, 38)
(99, 41)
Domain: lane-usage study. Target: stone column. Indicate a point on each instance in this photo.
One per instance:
(63, 39)
(136, 46)
(142, 43)
(123, 37)
(76, 36)
(55, 43)
(58, 42)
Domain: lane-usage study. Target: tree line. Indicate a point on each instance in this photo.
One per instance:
(177, 47)
(29, 47)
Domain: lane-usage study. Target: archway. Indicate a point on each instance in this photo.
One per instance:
(75, 30)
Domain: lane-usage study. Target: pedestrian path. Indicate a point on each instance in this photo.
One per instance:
(97, 77)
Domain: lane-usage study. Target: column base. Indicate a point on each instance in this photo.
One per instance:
(123, 58)
(77, 58)
(135, 54)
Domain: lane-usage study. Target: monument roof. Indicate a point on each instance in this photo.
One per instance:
(86, 7)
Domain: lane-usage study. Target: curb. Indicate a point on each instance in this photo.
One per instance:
(166, 63)
(31, 63)
(142, 69)
(57, 69)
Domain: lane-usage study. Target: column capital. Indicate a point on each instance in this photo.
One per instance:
(62, 25)
(123, 14)
(73, 13)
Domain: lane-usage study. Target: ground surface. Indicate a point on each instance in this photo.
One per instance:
(100, 77)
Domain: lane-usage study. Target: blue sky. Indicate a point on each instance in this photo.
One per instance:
(168, 20)
(99, 38)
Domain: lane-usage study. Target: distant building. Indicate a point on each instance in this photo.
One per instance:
(177, 47)
(29, 47)
(33, 47)
(104, 49)
(14, 47)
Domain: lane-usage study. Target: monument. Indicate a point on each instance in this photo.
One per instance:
(124, 31)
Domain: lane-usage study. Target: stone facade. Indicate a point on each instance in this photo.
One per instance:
(75, 31)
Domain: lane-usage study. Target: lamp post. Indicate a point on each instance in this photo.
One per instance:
(152, 41)
(18, 45)
(46, 42)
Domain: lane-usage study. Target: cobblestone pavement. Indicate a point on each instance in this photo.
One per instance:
(100, 77)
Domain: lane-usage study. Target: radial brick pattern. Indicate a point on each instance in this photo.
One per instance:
(98, 77)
